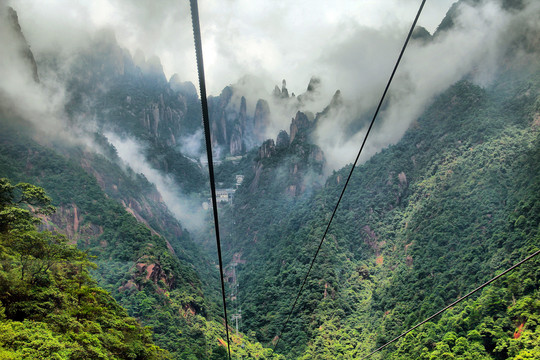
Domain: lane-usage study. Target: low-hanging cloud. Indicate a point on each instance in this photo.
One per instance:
(38, 98)
(191, 145)
(473, 48)
(41, 103)
(273, 40)
(268, 41)
(360, 61)
(188, 211)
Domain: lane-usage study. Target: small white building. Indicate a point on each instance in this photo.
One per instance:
(224, 195)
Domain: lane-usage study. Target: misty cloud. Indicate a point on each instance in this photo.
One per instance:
(360, 62)
(40, 103)
(266, 41)
(192, 145)
(188, 211)
(273, 40)
(473, 49)
(43, 104)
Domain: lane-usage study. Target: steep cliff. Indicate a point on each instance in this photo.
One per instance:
(235, 131)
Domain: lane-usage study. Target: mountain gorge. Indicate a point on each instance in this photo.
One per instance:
(132, 268)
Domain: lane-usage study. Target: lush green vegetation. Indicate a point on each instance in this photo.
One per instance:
(151, 276)
(423, 222)
(50, 308)
(501, 324)
(456, 201)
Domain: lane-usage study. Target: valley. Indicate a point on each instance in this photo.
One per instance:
(445, 198)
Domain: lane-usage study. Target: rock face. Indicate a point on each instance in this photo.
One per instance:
(312, 90)
(314, 84)
(282, 140)
(337, 100)
(237, 146)
(151, 108)
(290, 165)
(155, 273)
(283, 93)
(235, 131)
(151, 271)
(267, 149)
(163, 120)
(232, 128)
(68, 218)
(421, 34)
(300, 125)
(131, 97)
(261, 119)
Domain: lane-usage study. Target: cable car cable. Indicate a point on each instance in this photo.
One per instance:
(454, 303)
(352, 169)
(206, 123)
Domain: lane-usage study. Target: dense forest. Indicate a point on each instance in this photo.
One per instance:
(414, 228)
(108, 252)
(50, 305)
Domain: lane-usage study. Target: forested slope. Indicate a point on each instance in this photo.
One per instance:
(421, 223)
(49, 305)
(146, 262)
(146, 265)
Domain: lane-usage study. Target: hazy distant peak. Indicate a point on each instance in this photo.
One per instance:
(449, 21)
(184, 87)
(421, 33)
(226, 94)
(150, 66)
(337, 99)
(314, 84)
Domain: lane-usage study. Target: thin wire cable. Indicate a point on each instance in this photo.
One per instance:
(204, 103)
(454, 303)
(351, 172)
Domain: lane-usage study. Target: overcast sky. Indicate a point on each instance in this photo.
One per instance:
(273, 39)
